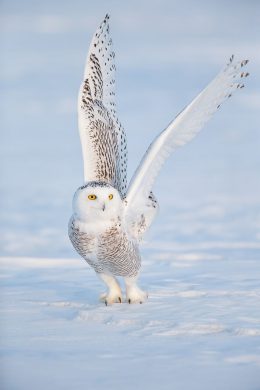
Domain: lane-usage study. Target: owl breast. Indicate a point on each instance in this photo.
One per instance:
(110, 251)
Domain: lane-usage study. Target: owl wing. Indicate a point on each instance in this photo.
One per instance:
(180, 131)
(103, 139)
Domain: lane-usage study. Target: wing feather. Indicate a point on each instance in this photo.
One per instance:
(103, 139)
(182, 130)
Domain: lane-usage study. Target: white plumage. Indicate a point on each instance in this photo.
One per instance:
(109, 218)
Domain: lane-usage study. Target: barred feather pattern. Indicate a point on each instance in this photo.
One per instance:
(111, 251)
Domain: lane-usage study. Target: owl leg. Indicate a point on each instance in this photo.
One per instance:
(133, 293)
(114, 294)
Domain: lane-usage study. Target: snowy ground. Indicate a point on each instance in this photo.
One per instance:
(200, 329)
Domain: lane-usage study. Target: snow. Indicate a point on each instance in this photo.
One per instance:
(200, 328)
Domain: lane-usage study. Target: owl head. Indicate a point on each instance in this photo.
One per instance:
(97, 201)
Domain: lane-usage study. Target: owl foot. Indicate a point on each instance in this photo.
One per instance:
(109, 298)
(136, 295)
(133, 293)
(114, 294)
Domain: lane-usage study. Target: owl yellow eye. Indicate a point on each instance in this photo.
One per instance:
(110, 197)
(92, 197)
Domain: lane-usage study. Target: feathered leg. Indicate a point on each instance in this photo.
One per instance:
(114, 294)
(133, 293)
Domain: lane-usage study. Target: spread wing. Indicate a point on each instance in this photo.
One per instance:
(180, 131)
(103, 139)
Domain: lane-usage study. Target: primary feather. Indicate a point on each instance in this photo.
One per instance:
(182, 130)
(103, 139)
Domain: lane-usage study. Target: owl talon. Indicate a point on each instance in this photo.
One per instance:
(114, 293)
(136, 295)
(133, 293)
(109, 299)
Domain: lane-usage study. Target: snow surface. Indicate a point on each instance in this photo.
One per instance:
(200, 328)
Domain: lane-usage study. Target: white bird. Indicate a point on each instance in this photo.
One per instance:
(110, 218)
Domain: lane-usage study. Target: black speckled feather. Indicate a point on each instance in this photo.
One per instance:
(103, 139)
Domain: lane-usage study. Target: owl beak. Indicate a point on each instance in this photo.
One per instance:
(103, 207)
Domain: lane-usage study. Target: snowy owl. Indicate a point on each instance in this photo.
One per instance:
(110, 218)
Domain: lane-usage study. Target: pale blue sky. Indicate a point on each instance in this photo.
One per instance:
(166, 52)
